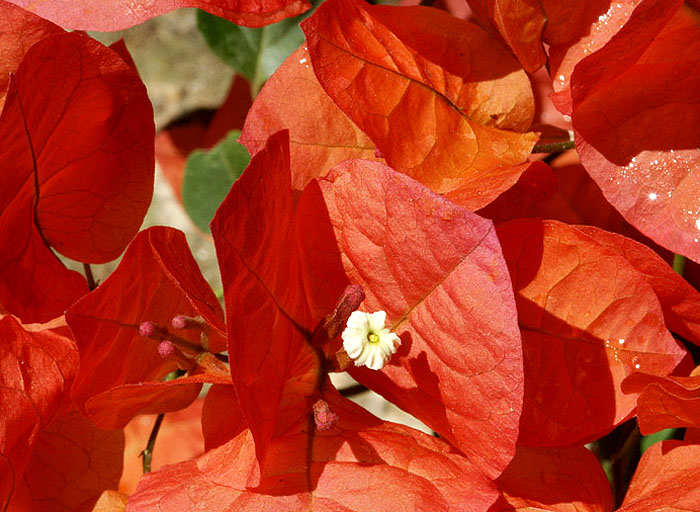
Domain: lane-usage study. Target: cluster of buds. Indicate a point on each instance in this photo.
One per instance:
(176, 348)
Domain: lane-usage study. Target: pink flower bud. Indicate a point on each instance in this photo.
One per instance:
(179, 322)
(324, 418)
(151, 330)
(187, 322)
(166, 349)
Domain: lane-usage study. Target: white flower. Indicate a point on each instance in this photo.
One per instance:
(367, 341)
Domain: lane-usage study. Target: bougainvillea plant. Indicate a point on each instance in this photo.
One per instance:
(486, 211)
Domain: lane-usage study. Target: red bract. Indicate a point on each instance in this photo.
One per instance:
(220, 421)
(446, 293)
(639, 143)
(72, 462)
(437, 271)
(440, 98)
(577, 200)
(666, 479)
(36, 368)
(77, 164)
(561, 479)
(520, 23)
(313, 150)
(362, 464)
(20, 29)
(589, 319)
(665, 402)
(274, 369)
(679, 301)
(121, 371)
(109, 15)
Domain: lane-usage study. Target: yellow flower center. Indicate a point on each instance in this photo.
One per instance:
(373, 338)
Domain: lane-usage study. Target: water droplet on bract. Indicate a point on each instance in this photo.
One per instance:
(636, 362)
(621, 341)
(652, 196)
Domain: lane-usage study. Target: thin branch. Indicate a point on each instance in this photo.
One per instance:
(147, 453)
(88, 275)
(554, 147)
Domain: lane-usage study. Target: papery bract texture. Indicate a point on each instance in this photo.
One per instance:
(641, 143)
(222, 418)
(20, 29)
(274, 369)
(359, 465)
(666, 479)
(520, 23)
(320, 134)
(679, 301)
(442, 100)
(437, 271)
(72, 462)
(121, 372)
(557, 479)
(109, 15)
(77, 169)
(665, 402)
(36, 369)
(588, 319)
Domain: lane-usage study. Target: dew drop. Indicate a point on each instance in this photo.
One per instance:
(652, 196)
(635, 362)
(302, 61)
(621, 341)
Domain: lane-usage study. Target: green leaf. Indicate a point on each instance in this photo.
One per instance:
(209, 176)
(255, 53)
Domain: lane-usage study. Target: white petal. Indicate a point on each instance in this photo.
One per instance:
(376, 321)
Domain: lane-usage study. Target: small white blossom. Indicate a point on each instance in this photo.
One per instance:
(367, 341)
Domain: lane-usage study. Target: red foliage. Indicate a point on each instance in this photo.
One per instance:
(313, 150)
(20, 29)
(72, 462)
(73, 106)
(36, 367)
(360, 464)
(110, 15)
(646, 169)
(665, 402)
(583, 332)
(666, 478)
(442, 281)
(440, 88)
(371, 145)
(121, 372)
(556, 479)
